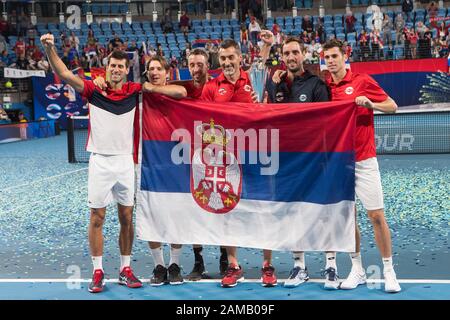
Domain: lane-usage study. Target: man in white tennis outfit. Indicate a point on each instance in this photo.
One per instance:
(112, 120)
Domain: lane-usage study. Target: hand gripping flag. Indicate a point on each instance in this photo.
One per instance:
(272, 176)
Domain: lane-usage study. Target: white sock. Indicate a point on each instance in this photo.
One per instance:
(356, 261)
(387, 264)
(124, 262)
(299, 259)
(331, 260)
(97, 262)
(175, 256)
(158, 257)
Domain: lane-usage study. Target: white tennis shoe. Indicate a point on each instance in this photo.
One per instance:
(391, 284)
(354, 279)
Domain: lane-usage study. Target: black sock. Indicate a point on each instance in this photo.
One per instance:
(223, 254)
(198, 254)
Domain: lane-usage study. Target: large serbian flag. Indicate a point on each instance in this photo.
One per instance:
(276, 176)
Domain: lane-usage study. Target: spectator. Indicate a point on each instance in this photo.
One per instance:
(413, 37)
(214, 57)
(432, 11)
(5, 60)
(436, 48)
(95, 61)
(399, 26)
(305, 37)
(424, 44)
(347, 48)
(91, 41)
(166, 22)
(19, 48)
(36, 54)
(22, 117)
(276, 30)
(4, 119)
(159, 50)
(132, 47)
(254, 30)
(43, 64)
(74, 40)
(420, 28)
(174, 72)
(22, 62)
(442, 30)
(363, 41)
(307, 24)
(387, 27)
(244, 37)
(376, 43)
(32, 64)
(184, 22)
(321, 34)
(407, 42)
(407, 8)
(152, 52)
(350, 22)
(116, 42)
(30, 46)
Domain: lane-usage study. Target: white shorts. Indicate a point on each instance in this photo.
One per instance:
(111, 178)
(368, 184)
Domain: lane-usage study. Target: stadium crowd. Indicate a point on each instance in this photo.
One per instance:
(423, 33)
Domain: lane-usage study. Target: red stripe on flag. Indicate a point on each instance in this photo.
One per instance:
(318, 127)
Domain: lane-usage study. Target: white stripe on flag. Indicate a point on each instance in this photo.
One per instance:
(176, 218)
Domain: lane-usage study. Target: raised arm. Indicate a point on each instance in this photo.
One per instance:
(268, 40)
(58, 65)
(170, 90)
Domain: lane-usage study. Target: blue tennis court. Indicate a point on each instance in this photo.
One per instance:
(45, 255)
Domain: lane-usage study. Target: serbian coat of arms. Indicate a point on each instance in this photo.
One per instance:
(216, 177)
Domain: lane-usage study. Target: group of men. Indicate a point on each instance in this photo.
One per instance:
(112, 105)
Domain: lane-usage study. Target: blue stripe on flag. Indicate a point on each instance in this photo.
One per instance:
(321, 178)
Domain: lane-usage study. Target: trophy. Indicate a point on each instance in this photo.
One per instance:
(258, 77)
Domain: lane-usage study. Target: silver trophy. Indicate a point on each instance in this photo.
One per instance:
(258, 77)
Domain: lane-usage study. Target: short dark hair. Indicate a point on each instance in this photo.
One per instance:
(334, 43)
(293, 39)
(119, 55)
(199, 52)
(228, 43)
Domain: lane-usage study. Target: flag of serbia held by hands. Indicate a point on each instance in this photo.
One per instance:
(270, 176)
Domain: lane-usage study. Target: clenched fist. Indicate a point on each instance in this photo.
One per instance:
(47, 40)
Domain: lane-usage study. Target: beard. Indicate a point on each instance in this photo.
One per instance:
(229, 70)
(294, 69)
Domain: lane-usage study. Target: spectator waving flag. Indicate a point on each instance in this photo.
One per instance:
(251, 175)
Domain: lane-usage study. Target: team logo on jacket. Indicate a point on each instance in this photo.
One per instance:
(302, 97)
(349, 90)
(222, 91)
(216, 177)
(279, 96)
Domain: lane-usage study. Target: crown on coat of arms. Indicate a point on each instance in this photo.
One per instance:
(213, 134)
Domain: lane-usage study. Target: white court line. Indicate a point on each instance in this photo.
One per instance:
(369, 281)
(44, 179)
